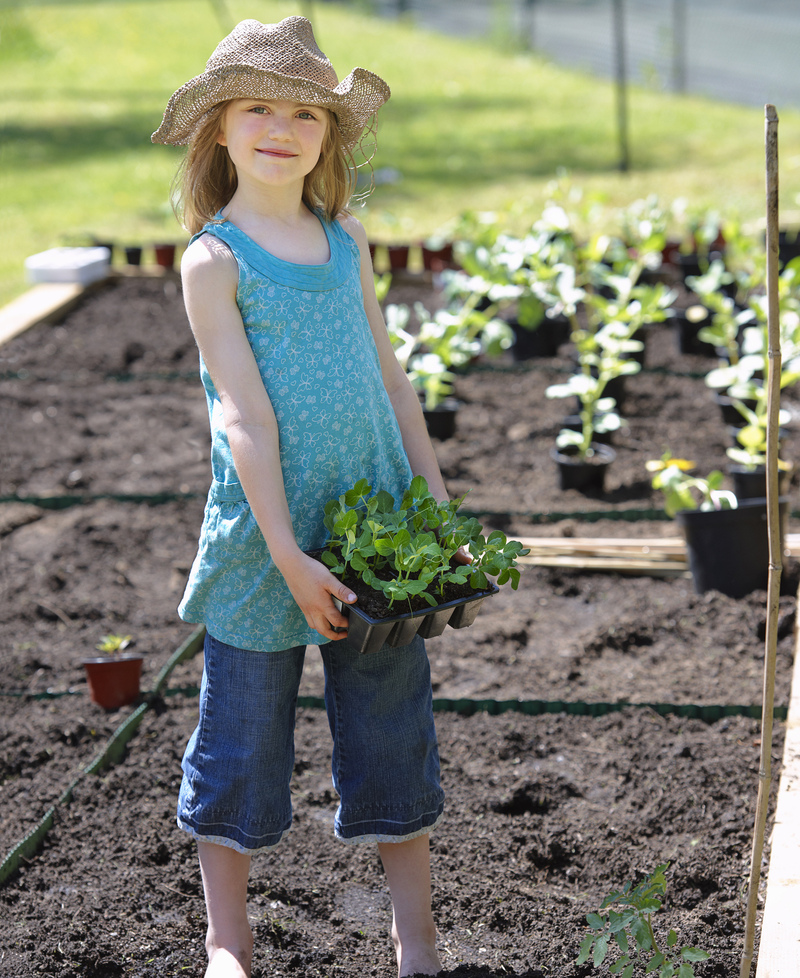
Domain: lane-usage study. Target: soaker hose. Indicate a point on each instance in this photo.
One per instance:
(111, 754)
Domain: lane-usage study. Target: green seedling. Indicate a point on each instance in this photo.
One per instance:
(684, 491)
(111, 644)
(627, 935)
(410, 549)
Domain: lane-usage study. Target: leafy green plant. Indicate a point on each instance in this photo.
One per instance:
(448, 339)
(742, 378)
(113, 644)
(411, 549)
(591, 278)
(628, 932)
(751, 450)
(684, 491)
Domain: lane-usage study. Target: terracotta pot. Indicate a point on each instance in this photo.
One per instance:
(114, 679)
(437, 259)
(585, 475)
(165, 255)
(398, 257)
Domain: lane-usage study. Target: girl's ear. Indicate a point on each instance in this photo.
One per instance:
(221, 138)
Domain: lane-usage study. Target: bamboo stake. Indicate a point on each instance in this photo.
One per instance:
(773, 517)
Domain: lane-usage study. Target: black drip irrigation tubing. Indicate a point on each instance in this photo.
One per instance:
(114, 749)
(67, 500)
(466, 707)
(111, 754)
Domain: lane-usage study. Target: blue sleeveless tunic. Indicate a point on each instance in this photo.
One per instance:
(315, 351)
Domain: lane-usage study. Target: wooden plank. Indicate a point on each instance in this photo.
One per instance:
(662, 556)
(632, 543)
(619, 565)
(45, 301)
(779, 945)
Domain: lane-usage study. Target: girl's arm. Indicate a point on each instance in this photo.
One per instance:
(210, 276)
(405, 402)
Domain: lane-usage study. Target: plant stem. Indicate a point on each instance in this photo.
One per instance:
(656, 948)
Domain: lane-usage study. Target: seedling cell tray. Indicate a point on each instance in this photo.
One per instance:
(367, 634)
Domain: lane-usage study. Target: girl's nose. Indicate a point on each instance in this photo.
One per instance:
(280, 127)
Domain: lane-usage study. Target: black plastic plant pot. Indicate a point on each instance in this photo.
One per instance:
(574, 422)
(585, 475)
(752, 483)
(686, 331)
(540, 341)
(441, 420)
(367, 634)
(731, 415)
(728, 549)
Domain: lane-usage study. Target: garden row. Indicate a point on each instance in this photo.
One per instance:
(106, 473)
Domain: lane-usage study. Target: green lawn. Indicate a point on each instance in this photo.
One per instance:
(84, 85)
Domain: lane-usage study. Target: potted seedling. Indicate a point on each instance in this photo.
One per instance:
(742, 377)
(716, 321)
(403, 563)
(114, 676)
(605, 355)
(726, 538)
(749, 455)
(446, 341)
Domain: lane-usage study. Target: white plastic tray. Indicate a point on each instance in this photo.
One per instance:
(81, 265)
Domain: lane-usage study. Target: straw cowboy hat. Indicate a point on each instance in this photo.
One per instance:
(273, 61)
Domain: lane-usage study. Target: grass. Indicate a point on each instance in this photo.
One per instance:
(468, 127)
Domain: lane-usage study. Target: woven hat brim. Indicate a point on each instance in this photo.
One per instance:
(354, 100)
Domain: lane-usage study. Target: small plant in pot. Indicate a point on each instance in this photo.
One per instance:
(447, 340)
(404, 563)
(742, 377)
(726, 538)
(115, 675)
(749, 454)
(602, 355)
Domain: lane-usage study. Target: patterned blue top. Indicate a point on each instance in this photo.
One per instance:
(317, 357)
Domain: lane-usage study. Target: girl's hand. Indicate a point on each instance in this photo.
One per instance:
(314, 587)
(461, 556)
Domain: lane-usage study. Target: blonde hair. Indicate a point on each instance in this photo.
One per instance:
(206, 179)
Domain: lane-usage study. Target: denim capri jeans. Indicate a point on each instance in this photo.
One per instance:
(239, 761)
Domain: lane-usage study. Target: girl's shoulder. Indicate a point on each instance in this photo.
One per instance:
(355, 230)
(208, 255)
(352, 226)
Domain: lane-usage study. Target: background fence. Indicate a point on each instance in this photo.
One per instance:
(743, 51)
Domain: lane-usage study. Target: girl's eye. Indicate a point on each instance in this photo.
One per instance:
(305, 114)
(259, 109)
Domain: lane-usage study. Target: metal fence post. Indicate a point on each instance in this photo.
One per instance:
(621, 84)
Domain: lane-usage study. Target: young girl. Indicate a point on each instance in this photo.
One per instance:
(305, 397)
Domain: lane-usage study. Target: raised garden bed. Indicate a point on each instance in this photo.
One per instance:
(545, 814)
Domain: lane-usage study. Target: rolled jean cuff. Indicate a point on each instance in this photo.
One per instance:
(384, 830)
(266, 845)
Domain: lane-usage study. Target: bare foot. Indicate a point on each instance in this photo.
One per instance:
(223, 964)
(417, 958)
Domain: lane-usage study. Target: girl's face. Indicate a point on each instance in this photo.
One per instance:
(276, 142)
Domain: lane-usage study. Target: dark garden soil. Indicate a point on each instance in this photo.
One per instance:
(104, 418)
